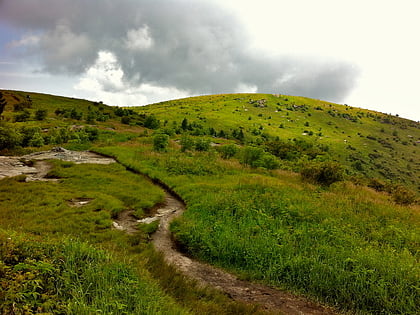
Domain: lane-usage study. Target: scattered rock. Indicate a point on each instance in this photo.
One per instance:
(79, 202)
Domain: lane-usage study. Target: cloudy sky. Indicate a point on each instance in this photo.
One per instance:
(364, 53)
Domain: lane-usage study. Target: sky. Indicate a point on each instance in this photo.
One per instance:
(364, 53)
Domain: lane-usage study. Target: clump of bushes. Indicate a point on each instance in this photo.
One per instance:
(198, 144)
(257, 157)
(11, 138)
(403, 196)
(323, 173)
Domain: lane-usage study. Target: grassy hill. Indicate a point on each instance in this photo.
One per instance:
(314, 197)
(369, 143)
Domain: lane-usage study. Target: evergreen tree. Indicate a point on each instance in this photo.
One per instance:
(184, 124)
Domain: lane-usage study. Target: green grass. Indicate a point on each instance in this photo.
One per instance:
(72, 277)
(347, 245)
(384, 145)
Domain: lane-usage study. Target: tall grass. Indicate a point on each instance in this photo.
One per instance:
(346, 245)
(72, 277)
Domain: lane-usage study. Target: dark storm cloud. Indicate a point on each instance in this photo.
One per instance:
(188, 45)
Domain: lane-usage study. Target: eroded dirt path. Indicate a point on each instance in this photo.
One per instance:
(270, 299)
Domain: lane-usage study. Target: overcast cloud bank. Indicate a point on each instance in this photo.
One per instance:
(137, 50)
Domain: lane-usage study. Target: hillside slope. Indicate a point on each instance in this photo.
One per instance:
(367, 142)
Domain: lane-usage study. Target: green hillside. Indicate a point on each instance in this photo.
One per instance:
(316, 198)
(369, 143)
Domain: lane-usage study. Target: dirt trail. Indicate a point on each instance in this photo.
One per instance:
(270, 299)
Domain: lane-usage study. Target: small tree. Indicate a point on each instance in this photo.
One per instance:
(187, 143)
(3, 104)
(184, 124)
(151, 122)
(160, 142)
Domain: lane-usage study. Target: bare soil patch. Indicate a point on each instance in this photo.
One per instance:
(36, 167)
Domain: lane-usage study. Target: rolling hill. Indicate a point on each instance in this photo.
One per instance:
(369, 143)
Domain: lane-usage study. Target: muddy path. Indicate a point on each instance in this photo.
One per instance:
(272, 300)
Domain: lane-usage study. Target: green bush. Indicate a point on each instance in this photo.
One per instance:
(250, 156)
(324, 173)
(41, 114)
(228, 151)
(202, 144)
(187, 143)
(9, 137)
(403, 196)
(160, 142)
(24, 116)
(151, 122)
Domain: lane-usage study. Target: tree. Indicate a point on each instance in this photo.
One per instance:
(184, 124)
(3, 104)
(151, 122)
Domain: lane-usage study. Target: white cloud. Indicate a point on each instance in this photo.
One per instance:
(246, 88)
(105, 81)
(139, 39)
(105, 73)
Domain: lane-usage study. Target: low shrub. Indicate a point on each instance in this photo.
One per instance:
(323, 173)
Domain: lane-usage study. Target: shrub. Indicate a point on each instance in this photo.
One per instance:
(268, 161)
(250, 156)
(202, 144)
(24, 116)
(324, 173)
(9, 138)
(187, 143)
(228, 151)
(41, 114)
(160, 142)
(151, 122)
(403, 196)
(37, 140)
(125, 120)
